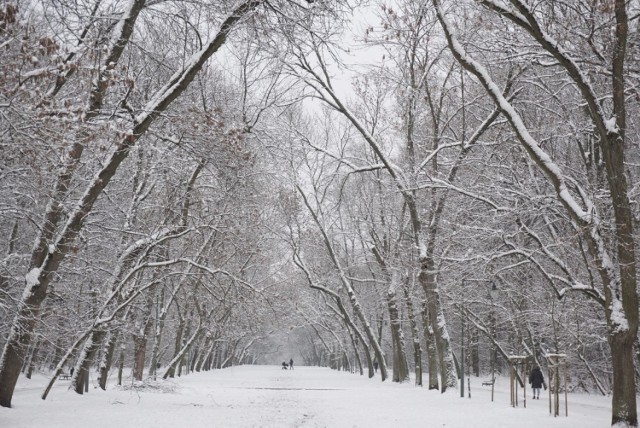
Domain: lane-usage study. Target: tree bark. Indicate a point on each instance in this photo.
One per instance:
(177, 346)
(446, 366)
(400, 366)
(432, 356)
(475, 353)
(107, 359)
(81, 373)
(415, 334)
(181, 353)
(140, 339)
(121, 363)
(33, 357)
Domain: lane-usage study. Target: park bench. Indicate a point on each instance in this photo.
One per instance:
(488, 382)
(65, 376)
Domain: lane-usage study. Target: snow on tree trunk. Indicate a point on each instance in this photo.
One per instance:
(415, 333)
(400, 365)
(446, 366)
(107, 359)
(85, 361)
(432, 355)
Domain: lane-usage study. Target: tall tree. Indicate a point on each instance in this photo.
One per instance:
(53, 244)
(615, 262)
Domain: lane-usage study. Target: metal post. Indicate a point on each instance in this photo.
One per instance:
(524, 378)
(462, 357)
(549, 382)
(566, 402)
(492, 294)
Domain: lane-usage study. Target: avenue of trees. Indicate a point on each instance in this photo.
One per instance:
(186, 186)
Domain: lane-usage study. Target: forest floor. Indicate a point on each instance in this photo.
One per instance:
(266, 396)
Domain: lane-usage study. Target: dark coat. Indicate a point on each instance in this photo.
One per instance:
(536, 379)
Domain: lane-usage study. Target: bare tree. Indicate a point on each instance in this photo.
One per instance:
(616, 263)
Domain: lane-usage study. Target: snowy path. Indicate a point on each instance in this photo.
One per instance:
(265, 396)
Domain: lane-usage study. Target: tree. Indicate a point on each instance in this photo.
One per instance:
(616, 262)
(53, 245)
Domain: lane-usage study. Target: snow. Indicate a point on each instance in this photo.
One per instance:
(612, 126)
(32, 281)
(117, 31)
(618, 318)
(266, 396)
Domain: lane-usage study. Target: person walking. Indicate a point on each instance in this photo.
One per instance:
(536, 380)
(291, 364)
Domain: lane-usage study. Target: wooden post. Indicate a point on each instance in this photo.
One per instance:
(513, 378)
(555, 362)
(512, 384)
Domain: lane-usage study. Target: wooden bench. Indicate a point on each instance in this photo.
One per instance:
(65, 376)
(488, 382)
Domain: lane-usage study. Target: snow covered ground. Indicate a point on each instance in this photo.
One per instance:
(266, 396)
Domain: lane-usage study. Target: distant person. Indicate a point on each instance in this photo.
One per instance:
(375, 366)
(284, 366)
(71, 371)
(536, 379)
(291, 364)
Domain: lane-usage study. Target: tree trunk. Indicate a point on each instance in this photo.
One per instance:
(57, 349)
(157, 336)
(121, 364)
(177, 346)
(209, 356)
(81, 373)
(140, 343)
(446, 366)
(202, 356)
(139, 353)
(194, 357)
(400, 366)
(33, 357)
(475, 353)
(181, 353)
(431, 348)
(181, 361)
(415, 334)
(624, 387)
(15, 348)
(107, 359)
(356, 353)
